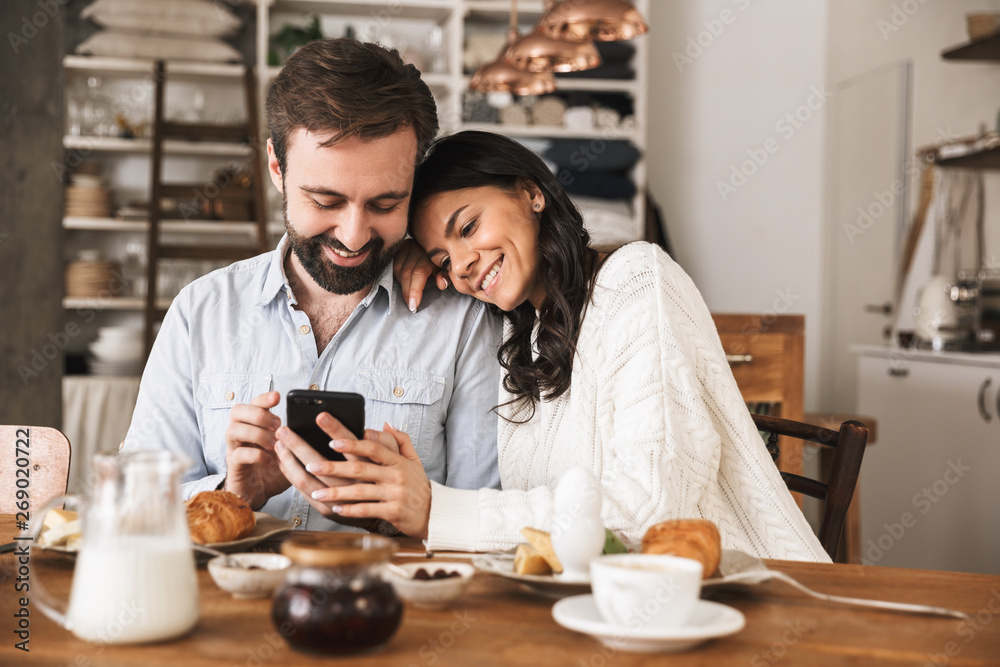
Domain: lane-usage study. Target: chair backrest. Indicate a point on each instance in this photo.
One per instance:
(849, 448)
(38, 454)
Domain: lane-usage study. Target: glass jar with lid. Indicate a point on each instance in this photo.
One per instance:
(334, 599)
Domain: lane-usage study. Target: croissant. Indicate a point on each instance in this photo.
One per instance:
(219, 516)
(689, 538)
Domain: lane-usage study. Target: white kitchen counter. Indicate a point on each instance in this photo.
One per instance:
(979, 359)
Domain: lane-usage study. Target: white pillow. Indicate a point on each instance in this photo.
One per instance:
(116, 44)
(609, 221)
(185, 17)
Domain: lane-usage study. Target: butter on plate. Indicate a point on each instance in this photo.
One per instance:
(61, 528)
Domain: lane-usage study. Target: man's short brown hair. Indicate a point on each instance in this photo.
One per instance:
(350, 89)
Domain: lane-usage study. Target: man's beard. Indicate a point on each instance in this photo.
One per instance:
(332, 277)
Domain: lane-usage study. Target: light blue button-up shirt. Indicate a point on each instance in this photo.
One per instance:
(235, 334)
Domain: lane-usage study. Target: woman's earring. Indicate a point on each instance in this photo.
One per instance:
(538, 206)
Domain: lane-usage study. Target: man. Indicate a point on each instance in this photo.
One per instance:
(348, 122)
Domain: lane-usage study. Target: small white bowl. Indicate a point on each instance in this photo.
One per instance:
(244, 583)
(119, 334)
(107, 351)
(431, 593)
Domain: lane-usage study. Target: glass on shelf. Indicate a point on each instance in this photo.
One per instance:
(134, 269)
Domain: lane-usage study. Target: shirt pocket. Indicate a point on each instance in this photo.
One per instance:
(216, 395)
(409, 400)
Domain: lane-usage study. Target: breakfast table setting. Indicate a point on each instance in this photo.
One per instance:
(134, 576)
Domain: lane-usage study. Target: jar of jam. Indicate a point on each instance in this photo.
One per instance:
(334, 600)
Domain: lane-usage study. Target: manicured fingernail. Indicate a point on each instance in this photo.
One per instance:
(279, 446)
(275, 423)
(318, 494)
(313, 467)
(446, 283)
(337, 444)
(282, 432)
(390, 427)
(413, 304)
(337, 509)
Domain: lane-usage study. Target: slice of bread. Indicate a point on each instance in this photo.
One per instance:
(542, 542)
(528, 560)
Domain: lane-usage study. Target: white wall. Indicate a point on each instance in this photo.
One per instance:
(949, 98)
(757, 249)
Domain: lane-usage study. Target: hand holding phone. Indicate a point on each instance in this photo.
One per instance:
(305, 405)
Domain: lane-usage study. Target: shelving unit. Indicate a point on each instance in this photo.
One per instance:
(986, 159)
(986, 49)
(455, 18)
(127, 167)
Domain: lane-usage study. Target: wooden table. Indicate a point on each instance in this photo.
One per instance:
(497, 623)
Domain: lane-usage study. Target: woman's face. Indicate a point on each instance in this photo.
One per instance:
(486, 239)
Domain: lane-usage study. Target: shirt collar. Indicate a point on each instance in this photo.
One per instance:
(276, 280)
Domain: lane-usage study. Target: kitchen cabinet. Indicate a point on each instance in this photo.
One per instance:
(931, 489)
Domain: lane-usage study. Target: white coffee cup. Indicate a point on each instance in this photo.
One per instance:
(645, 590)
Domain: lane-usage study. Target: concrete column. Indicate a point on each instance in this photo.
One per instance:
(33, 333)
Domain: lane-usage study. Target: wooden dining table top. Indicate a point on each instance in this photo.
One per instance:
(497, 622)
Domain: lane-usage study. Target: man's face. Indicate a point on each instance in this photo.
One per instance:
(345, 205)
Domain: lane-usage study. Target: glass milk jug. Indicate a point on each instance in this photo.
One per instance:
(135, 578)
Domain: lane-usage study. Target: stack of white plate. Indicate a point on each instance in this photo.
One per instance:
(117, 351)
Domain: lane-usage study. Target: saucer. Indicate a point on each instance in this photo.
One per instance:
(708, 621)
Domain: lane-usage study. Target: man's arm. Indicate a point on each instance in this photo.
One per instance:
(471, 427)
(165, 413)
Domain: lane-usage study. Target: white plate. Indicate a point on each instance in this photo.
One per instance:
(502, 564)
(267, 526)
(708, 621)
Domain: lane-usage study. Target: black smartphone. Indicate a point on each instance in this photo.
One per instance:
(305, 405)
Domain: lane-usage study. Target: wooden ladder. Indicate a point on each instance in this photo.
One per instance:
(163, 130)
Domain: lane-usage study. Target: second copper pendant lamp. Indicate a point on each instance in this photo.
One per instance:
(538, 52)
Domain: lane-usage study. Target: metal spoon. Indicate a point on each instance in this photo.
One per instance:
(737, 567)
(397, 570)
(228, 560)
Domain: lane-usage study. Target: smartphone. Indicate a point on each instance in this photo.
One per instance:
(305, 405)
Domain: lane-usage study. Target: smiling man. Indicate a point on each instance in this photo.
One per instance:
(348, 122)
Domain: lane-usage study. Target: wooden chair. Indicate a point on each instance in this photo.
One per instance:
(47, 465)
(848, 449)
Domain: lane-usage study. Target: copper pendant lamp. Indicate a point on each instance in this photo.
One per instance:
(537, 52)
(499, 77)
(597, 20)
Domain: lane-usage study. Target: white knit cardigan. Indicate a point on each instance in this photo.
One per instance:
(654, 412)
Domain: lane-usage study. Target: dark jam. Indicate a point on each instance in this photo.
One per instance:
(337, 613)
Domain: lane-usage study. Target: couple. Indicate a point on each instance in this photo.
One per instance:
(609, 361)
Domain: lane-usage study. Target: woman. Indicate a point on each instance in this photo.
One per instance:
(611, 362)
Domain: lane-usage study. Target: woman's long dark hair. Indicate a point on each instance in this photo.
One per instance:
(566, 264)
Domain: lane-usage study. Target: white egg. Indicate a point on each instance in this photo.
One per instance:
(578, 493)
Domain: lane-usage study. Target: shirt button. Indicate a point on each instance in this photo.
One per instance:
(314, 387)
(398, 391)
(296, 521)
(303, 329)
(230, 395)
